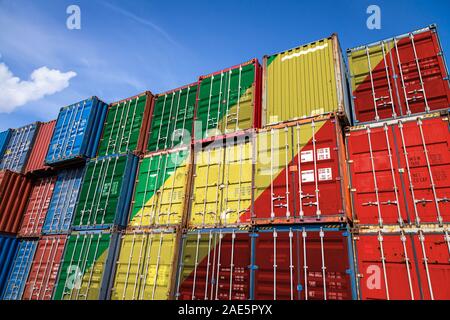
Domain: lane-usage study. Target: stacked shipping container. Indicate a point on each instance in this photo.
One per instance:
(183, 195)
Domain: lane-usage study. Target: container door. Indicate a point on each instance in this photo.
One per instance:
(274, 180)
(424, 153)
(83, 266)
(386, 267)
(214, 266)
(378, 191)
(433, 254)
(208, 187)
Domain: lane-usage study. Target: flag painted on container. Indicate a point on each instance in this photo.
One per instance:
(161, 188)
(20, 270)
(86, 266)
(126, 126)
(171, 122)
(19, 148)
(77, 132)
(106, 192)
(64, 199)
(146, 266)
(229, 101)
(214, 265)
(4, 139)
(400, 76)
(222, 184)
(306, 81)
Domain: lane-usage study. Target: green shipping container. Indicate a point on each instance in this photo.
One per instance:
(126, 126)
(106, 192)
(86, 267)
(171, 123)
(229, 101)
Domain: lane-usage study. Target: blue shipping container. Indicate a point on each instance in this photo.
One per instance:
(20, 269)
(8, 249)
(19, 148)
(62, 204)
(77, 132)
(4, 139)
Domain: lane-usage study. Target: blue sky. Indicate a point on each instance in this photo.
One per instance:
(126, 47)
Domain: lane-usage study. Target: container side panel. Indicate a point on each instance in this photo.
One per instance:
(40, 148)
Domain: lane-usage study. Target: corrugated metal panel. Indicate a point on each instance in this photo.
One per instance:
(408, 264)
(14, 191)
(19, 148)
(62, 204)
(222, 184)
(4, 139)
(399, 171)
(86, 266)
(126, 126)
(44, 268)
(399, 76)
(20, 270)
(106, 193)
(8, 249)
(146, 266)
(161, 188)
(305, 81)
(171, 123)
(214, 265)
(77, 132)
(301, 173)
(303, 263)
(40, 147)
(229, 101)
(37, 207)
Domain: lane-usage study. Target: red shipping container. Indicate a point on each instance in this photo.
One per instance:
(400, 171)
(295, 263)
(44, 268)
(40, 148)
(301, 173)
(14, 191)
(36, 210)
(403, 265)
(399, 76)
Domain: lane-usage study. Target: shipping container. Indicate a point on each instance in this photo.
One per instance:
(77, 132)
(4, 139)
(64, 199)
(146, 268)
(86, 266)
(303, 263)
(400, 171)
(407, 264)
(19, 148)
(171, 121)
(106, 193)
(301, 173)
(161, 187)
(8, 249)
(399, 76)
(14, 191)
(44, 268)
(228, 101)
(222, 183)
(20, 270)
(36, 160)
(305, 81)
(126, 126)
(215, 265)
(37, 207)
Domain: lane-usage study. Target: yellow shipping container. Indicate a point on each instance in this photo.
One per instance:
(146, 265)
(305, 81)
(222, 185)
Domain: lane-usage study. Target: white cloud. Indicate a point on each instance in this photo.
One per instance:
(43, 81)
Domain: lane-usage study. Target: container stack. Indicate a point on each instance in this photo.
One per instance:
(399, 164)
